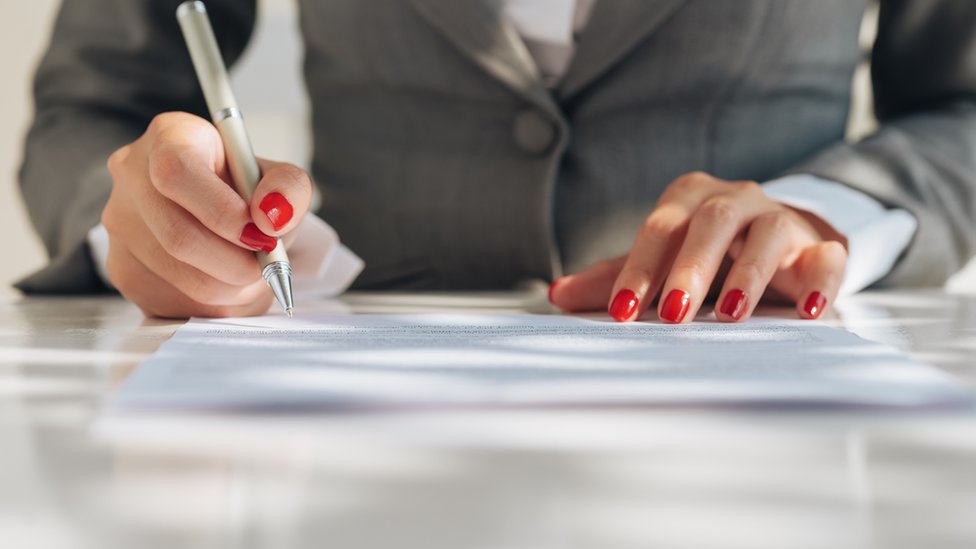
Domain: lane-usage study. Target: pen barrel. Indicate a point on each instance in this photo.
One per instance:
(208, 63)
(241, 162)
(245, 172)
(207, 59)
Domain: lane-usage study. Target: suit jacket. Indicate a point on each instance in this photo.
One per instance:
(445, 162)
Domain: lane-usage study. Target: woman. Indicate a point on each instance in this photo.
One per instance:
(475, 144)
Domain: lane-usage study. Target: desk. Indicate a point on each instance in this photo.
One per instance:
(601, 478)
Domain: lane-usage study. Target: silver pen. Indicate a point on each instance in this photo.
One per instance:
(244, 169)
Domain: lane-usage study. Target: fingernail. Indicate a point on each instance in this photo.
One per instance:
(675, 306)
(253, 237)
(734, 304)
(815, 304)
(552, 287)
(624, 305)
(278, 209)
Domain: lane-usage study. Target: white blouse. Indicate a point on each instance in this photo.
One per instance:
(549, 29)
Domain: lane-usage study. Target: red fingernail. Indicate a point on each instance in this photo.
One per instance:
(815, 304)
(278, 210)
(675, 306)
(552, 287)
(253, 237)
(624, 305)
(734, 304)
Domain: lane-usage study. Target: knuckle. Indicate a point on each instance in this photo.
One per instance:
(694, 266)
(655, 227)
(751, 269)
(109, 220)
(777, 222)
(640, 272)
(180, 128)
(167, 168)
(162, 121)
(109, 215)
(689, 180)
(719, 210)
(165, 120)
(116, 160)
(749, 188)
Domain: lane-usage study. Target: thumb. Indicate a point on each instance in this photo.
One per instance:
(588, 290)
(281, 198)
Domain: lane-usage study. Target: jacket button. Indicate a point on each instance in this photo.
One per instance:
(534, 133)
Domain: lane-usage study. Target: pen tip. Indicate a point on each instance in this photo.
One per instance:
(289, 312)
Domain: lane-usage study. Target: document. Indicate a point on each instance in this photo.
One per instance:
(444, 360)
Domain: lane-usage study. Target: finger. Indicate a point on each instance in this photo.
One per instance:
(710, 234)
(281, 199)
(820, 272)
(192, 282)
(184, 174)
(770, 238)
(656, 245)
(185, 239)
(587, 290)
(158, 298)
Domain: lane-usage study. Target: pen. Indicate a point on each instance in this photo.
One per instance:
(226, 116)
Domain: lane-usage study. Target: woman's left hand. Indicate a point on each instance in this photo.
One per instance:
(679, 251)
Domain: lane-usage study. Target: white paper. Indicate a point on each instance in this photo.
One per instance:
(368, 361)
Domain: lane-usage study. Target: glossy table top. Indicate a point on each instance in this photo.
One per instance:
(73, 476)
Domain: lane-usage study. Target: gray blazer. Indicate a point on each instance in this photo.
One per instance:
(445, 162)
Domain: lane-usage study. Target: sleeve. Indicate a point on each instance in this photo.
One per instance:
(876, 236)
(111, 66)
(923, 157)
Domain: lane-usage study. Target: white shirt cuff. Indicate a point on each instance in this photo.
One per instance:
(321, 265)
(98, 246)
(876, 236)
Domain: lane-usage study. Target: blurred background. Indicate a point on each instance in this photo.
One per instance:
(269, 87)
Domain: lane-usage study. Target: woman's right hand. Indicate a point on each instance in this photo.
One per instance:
(181, 240)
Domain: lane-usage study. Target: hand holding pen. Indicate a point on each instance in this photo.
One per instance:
(182, 239)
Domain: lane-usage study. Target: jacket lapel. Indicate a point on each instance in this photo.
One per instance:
(481, 32)
(614, 29)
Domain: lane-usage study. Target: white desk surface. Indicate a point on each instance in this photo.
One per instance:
(583, 478)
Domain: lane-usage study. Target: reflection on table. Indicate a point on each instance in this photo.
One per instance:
(603, 478)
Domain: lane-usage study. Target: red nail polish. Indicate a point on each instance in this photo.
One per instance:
(624, 305)
(278, 209)
(815, 304)
(253, 237)
(552, 287)
(675, 306)
(734, 304)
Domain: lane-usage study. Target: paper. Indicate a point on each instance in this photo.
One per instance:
(342, 361)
